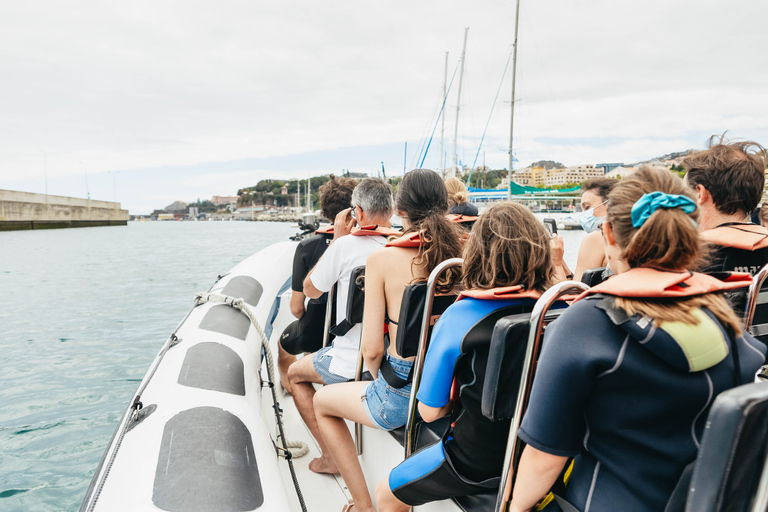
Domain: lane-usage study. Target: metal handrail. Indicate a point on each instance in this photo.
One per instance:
(328, 315)
(753, 294)
(418, 364)
(532, 350)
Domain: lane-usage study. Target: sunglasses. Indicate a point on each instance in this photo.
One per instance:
(353, 213)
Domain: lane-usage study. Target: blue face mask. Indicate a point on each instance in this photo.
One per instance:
(588, 221)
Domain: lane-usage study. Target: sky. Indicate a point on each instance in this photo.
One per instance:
(151, 102)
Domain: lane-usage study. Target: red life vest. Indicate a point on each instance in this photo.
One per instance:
(651, 283)
(375, 230)
(325, 231)
(409, 240)
(460, 218)
(748, 237)
(503, 293)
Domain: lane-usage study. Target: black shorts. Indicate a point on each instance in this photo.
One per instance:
(428, 475)
(306, 333)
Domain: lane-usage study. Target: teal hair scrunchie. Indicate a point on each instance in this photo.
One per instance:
(649, 203)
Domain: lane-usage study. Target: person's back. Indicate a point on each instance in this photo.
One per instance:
(627, 374)
(306, 333)
(728, 179)
(458, 198)
(631, 406)
(508, 248)
(429, 239)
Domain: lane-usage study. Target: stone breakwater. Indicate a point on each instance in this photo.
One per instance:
(25, 210)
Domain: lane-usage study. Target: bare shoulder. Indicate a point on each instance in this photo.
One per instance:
(391, 255)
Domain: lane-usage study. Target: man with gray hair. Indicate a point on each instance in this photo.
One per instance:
(371, 209)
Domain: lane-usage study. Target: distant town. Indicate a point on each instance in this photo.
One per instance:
(284, 200)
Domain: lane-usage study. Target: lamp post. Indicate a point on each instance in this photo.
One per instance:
(114, 186)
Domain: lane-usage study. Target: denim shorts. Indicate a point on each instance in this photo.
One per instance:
(387, 407)
(322, 362)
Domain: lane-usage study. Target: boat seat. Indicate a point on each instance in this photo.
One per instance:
(506, 354)
(412, 315)
(755, 306)
(426, 433)
(731, 465)
(593, 276)
(355, 302)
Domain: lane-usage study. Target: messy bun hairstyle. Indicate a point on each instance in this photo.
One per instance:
(457, 191)
(422, 197)
(508, 246)
(667, 240)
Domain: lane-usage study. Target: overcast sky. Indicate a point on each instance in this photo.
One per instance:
(192, 99)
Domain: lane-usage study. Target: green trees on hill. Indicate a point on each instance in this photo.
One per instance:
(270, 192)
(487, 179)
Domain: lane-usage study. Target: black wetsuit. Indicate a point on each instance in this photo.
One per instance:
(306, 333)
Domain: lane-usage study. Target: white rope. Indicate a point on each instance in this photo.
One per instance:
(203, 297)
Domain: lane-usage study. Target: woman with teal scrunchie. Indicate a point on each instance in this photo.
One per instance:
(628, 372)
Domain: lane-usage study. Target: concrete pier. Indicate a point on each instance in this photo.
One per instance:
(25, 210)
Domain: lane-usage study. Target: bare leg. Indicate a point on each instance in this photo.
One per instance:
(386, 501)
(301, 375)
(284, 361)
(332, 405)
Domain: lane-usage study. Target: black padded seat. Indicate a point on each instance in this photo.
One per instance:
(733, 450)
(244, 287)
(593, 276)
(355, 302)
(226, 320)
(215, 367)
(207, 463)
(412, 315)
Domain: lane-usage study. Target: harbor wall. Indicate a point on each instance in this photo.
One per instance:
(26, 210)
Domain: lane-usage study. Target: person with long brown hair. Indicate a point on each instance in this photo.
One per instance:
(507, 265)
(421, 203)
(628, 373)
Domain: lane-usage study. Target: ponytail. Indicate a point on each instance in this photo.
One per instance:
(423, 198)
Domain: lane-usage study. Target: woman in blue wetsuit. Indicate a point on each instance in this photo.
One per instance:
(627, 374)
(507, 264)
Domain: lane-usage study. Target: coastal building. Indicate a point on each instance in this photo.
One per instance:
(574, 174)
(223, 200)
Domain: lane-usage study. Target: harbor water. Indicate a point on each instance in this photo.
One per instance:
(83, 312)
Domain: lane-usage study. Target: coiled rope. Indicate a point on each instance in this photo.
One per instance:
(300, 446)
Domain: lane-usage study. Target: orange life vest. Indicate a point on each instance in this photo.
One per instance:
(651, 283)
(749, 237)
(503, 293)
(375, 230)
(460, 218)
(409, 240)
(325, 231)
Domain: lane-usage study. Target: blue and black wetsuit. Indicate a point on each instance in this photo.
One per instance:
(469, 458)
(629, 400)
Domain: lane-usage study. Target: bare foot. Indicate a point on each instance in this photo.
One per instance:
(323, 465)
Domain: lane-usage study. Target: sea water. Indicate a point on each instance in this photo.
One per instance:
(83, 313)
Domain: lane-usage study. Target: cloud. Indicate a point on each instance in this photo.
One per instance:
(149, 89)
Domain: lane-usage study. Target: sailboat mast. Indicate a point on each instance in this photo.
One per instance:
(442, 129)
(458, 106)
(309, 189)
(512, 115)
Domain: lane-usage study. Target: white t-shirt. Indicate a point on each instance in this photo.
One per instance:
(336, 264)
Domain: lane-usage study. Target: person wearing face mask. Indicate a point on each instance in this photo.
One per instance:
(593, 200)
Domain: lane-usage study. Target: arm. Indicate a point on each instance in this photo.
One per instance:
(342, 224)
(535, 476)
(327, 271)
(372, 341)
(297, 304)
(309, 288)
(557, 248)
(591, 254)
(430, 414)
